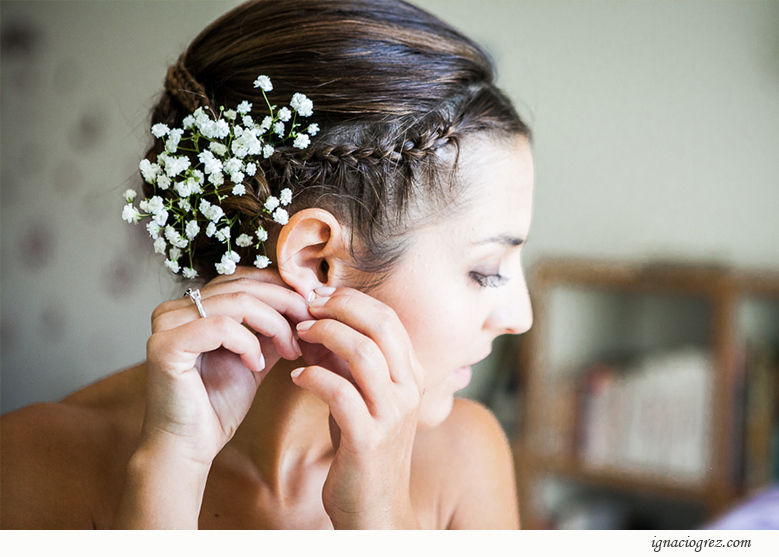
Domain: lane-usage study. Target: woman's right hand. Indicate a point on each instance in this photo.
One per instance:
(203, 373)
(202, 376)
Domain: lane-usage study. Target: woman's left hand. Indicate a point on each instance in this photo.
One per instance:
(368, 486)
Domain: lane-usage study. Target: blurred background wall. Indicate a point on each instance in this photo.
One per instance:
(656, 131)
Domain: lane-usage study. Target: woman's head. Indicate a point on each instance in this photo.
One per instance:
(395, 92)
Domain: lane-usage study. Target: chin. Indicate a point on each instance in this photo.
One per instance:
(433, 413)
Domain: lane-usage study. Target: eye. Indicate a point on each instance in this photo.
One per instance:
(488, 281)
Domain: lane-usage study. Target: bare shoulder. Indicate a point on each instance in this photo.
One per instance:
(471, 455)
(59, 461)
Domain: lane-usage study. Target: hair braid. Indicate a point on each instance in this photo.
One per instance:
(180, 83)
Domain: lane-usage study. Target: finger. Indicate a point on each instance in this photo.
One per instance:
(242, 308)
(280, 297)
(366, 362)
(270, 275)
(346, 405)
(373, 319)
(180, 347)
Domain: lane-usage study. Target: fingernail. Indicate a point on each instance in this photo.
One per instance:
(318, 302)
(296, 346)
(304, 325)
(295, 372)
(324, 290)
(311, 296)
(262, 362)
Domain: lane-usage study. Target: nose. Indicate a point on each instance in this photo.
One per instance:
(513, 315)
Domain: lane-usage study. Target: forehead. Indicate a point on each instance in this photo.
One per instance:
(496, 178)
(496, 183)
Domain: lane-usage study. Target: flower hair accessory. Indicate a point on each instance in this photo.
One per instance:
(230, 145)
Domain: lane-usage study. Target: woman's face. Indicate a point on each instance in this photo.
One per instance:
(461, 283)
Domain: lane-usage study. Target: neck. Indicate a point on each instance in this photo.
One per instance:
(286, 429)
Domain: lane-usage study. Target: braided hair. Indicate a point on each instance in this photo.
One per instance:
(395, 91)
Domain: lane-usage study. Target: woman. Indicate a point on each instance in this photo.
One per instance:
(316, 392)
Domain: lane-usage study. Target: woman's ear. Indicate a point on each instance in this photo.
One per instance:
(311, 251)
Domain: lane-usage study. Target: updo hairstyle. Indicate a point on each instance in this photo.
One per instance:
(394, 89)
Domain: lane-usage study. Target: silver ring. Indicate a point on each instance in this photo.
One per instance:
(194, 295)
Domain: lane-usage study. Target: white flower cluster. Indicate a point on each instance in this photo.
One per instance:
(228, 147)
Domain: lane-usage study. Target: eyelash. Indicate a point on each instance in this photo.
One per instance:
(488, 281)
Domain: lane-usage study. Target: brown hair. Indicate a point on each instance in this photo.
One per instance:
(394, 89)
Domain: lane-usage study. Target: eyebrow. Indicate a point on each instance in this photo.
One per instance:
(503, 239)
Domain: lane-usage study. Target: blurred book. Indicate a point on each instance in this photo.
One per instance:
(651, 417)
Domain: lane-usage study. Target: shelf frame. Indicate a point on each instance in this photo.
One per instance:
(722, 287)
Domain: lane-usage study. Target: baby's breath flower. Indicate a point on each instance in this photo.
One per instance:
(149, 171)
(267, 151)
(188, 122)
(131, 214)
(286, 196)
(221, 129)
(251, 169)
(243, 241)
(281, 216)
(261, 262)
(184, 205)
(302, 104)
(247, 121)
(262, 234)
(246, 143)
(154, 205)
(158, 130)
(176, 165)
(163, 182)
(238, 189)
(210, 162)
(217, 148)
(174, 136)
(271, 203)
(183, 188)
(153, 229)
(192, 229)
(231, 114)
(160, 245)
(227, 265)
(301, 141)
(244, 108)
(263, 82)
(210, 229)
(161, 217)
(284, 114)
(189, 272)
(312, 129)
(223, 234)
(173, 236)
(174, 254)
(217, 178)
(172, 265)
(233, 165)
(267, 122)
(129, 195)
(278, 128)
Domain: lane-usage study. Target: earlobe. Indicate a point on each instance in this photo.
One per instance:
(310, 250)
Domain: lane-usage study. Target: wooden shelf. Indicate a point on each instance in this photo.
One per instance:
(723, 288)
(635, 482)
